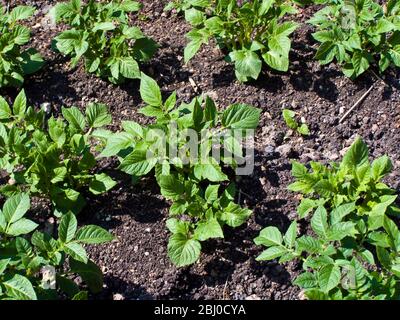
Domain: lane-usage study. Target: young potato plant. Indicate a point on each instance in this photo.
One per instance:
(15, 62)
(180, 147)
(100, 34)
(354, 249)
(32, 263)
(290, 119)
(52, 157)
(358, 34)
(250, 31)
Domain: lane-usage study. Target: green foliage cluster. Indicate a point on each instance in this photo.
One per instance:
(101, 35)
(353, 251)
(26, 255)
(252, 32)
(290, 119)
(202, 202)
(358, 34)
(51, 157)
(16, 62)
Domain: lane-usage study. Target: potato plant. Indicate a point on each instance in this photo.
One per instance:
(16, 62)
(251, 32)
(51, 157)
(32, 263)
(353, 251)
(202, 197)
(100, 35)
(358, 34)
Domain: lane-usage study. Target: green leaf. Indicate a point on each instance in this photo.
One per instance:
(19, 106)
(269, 236)
(182, 250)
(305, 280)
(171, 187)
(97, 115)
(21, 226)
(272, 253)
(329, 277)
(75, 118)
(177, 226)
(16, 207)
(211, 193)
(103, 26)
(241, 116)
(81, 295)
(129, 68)
(5, 111)
(137, 163)
(67, 227)
(319, 222)
(338, 213)
(90, 273)
(32, 61)
(247, 64)
(20, 288)
(395, 55)
(288, 116)
(76, 251)
(194, 16)
(276, 60)
(234, 215)
(209, 171)
(309, 244)
(208, 229)
(381, 167)
(21, 13)
(384, 257)
(92, 234)
(306, 206)
(117, 142)
(133, 128)
(196, 40)
(101, 183)
(150, 91)
(360, 62)
(291, 234)
(304, 130)
(357, 155)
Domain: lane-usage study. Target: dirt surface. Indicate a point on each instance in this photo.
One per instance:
(136, 265)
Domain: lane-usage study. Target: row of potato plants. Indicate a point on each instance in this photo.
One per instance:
(55, 158)
(351, 253)
(352, 250)
(357, 34)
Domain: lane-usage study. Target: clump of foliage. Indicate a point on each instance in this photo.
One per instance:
(51, 157)
(15, 63)
(353, 252)
(290, 119)
(32, 263)
(251, 32)
(358, 34)
(100, 34)
(202, 198)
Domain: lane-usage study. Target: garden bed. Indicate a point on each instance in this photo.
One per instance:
(136, 265)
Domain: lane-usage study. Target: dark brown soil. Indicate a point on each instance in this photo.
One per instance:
(136, 266)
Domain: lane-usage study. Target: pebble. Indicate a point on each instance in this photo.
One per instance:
(284, 150)
(253, 297)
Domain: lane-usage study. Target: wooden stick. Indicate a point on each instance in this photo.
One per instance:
(359, 101)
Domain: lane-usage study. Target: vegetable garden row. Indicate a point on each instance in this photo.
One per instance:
(345, 239)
